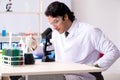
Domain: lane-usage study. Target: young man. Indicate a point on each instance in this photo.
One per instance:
(78, 42)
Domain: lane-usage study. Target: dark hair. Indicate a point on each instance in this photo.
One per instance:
(59, 9)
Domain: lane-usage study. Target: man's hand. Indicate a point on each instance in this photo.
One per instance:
(31, 43)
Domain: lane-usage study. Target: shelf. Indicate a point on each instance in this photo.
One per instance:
(21, 13)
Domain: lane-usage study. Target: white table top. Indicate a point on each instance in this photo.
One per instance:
(43, 68)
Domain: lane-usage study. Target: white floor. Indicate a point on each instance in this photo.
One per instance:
(113, 73)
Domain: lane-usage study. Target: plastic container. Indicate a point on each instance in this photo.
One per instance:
(4, 33)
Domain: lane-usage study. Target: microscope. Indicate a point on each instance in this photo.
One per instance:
(48, 50)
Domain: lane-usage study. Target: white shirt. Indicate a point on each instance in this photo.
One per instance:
(83, 45)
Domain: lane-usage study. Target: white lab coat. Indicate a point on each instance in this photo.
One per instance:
(83, 45)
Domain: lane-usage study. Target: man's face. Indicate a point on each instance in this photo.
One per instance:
(57, 23)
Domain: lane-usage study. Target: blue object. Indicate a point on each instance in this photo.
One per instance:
(38, 56)
(52, 55)
(4, 33)
(42, 40)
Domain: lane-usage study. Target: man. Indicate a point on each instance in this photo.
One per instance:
(78, 42)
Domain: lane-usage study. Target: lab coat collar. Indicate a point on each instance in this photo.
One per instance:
(72, 29)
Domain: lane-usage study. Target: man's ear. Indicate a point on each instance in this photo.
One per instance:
(65, 17)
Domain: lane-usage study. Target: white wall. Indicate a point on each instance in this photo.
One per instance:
(104, 14)
(24, 16)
